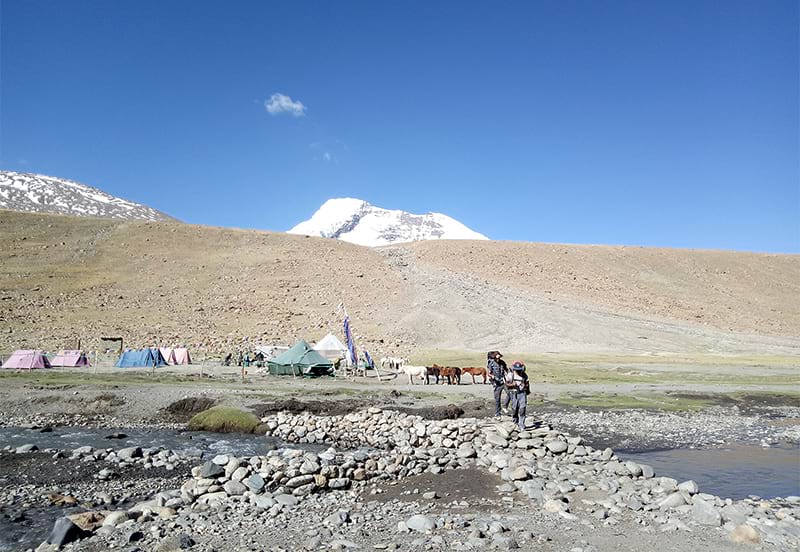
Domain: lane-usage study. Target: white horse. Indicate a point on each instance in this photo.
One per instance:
(414, 371)
(393, 363)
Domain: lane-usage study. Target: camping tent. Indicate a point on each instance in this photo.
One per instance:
(27, 360)
(168, 353)
(70, 358)
(301, 359)
(142, 357)
(181, 355)
(331, 348)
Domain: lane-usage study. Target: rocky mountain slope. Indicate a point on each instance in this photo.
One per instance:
(46, 194)
(356, 221)
(64, 278)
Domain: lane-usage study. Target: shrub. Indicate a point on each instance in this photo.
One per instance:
(223, 419)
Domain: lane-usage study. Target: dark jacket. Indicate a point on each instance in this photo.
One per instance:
(496, 373)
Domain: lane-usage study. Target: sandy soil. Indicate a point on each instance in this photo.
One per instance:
(66, 279)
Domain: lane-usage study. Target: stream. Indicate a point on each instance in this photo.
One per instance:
(735, 472)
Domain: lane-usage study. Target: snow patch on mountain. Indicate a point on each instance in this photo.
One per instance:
(356, 221)
(38, 193)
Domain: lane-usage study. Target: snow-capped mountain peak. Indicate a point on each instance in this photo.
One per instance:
(356, 221)
(38, 193)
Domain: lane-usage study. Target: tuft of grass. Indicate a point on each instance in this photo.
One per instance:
(223, 419)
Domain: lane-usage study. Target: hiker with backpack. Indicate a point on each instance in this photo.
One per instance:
(497, 369)
(519, 387)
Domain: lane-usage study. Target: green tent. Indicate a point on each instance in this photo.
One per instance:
(300, 360)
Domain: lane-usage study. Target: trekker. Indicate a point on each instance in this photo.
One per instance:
(519, 388)
(495, 365)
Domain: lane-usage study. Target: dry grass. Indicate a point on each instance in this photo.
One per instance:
(215, 289)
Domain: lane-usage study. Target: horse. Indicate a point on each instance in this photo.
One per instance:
(432, 371)
(414, 371)
(475, 371)
(450, 372)
(393, 363)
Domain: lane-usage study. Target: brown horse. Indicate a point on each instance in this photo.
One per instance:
(475, 371)
(432, 371)
(452, 373)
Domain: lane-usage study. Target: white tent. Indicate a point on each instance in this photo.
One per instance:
(330, 347)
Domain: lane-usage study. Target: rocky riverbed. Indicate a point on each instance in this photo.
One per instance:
(389, 480)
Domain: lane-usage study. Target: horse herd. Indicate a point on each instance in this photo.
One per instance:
(451, 374)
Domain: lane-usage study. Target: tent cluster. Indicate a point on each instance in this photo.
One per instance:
(33, 359)
(155, 356)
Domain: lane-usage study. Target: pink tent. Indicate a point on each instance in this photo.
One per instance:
(168, 354)
(70, 358)
(181, 355)
(27, 360)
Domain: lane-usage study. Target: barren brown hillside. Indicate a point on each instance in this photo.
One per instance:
(64, 278)
(736, 291)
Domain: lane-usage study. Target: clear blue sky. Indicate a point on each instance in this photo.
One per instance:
(665, 123)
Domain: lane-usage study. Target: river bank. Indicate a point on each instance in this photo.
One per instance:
(451, 484)
(469, 499)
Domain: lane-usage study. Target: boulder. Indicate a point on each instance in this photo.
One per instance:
(210, 470)
(672, 501)
(115, 518)
(689, 487)
(221, 459)
(556, 447)
(420, 523)
(129, 453)
(339, 483)
(255, 483)
(734, 514)
(64, 532)
(299, 481)
(88, 521)
(634, 468)
(496, 440)
(234, 488)
(26, 448)
(704, 513)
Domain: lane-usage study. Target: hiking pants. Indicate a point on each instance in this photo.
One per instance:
(519, 404)
(498, 393)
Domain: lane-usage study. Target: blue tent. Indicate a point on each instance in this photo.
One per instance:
(143, 357)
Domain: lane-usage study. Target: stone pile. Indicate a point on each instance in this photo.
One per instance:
(154, 457)
(557, 472)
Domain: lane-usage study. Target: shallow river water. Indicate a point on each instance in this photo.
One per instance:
(731, 472)
(189, 443)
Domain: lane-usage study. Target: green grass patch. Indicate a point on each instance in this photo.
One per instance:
(223, 419)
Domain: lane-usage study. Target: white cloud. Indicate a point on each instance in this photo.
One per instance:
(327, 156)
(280, 103)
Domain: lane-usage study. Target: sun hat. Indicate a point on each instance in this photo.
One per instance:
(518, 365)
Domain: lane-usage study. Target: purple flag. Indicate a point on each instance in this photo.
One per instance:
(351, 346)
